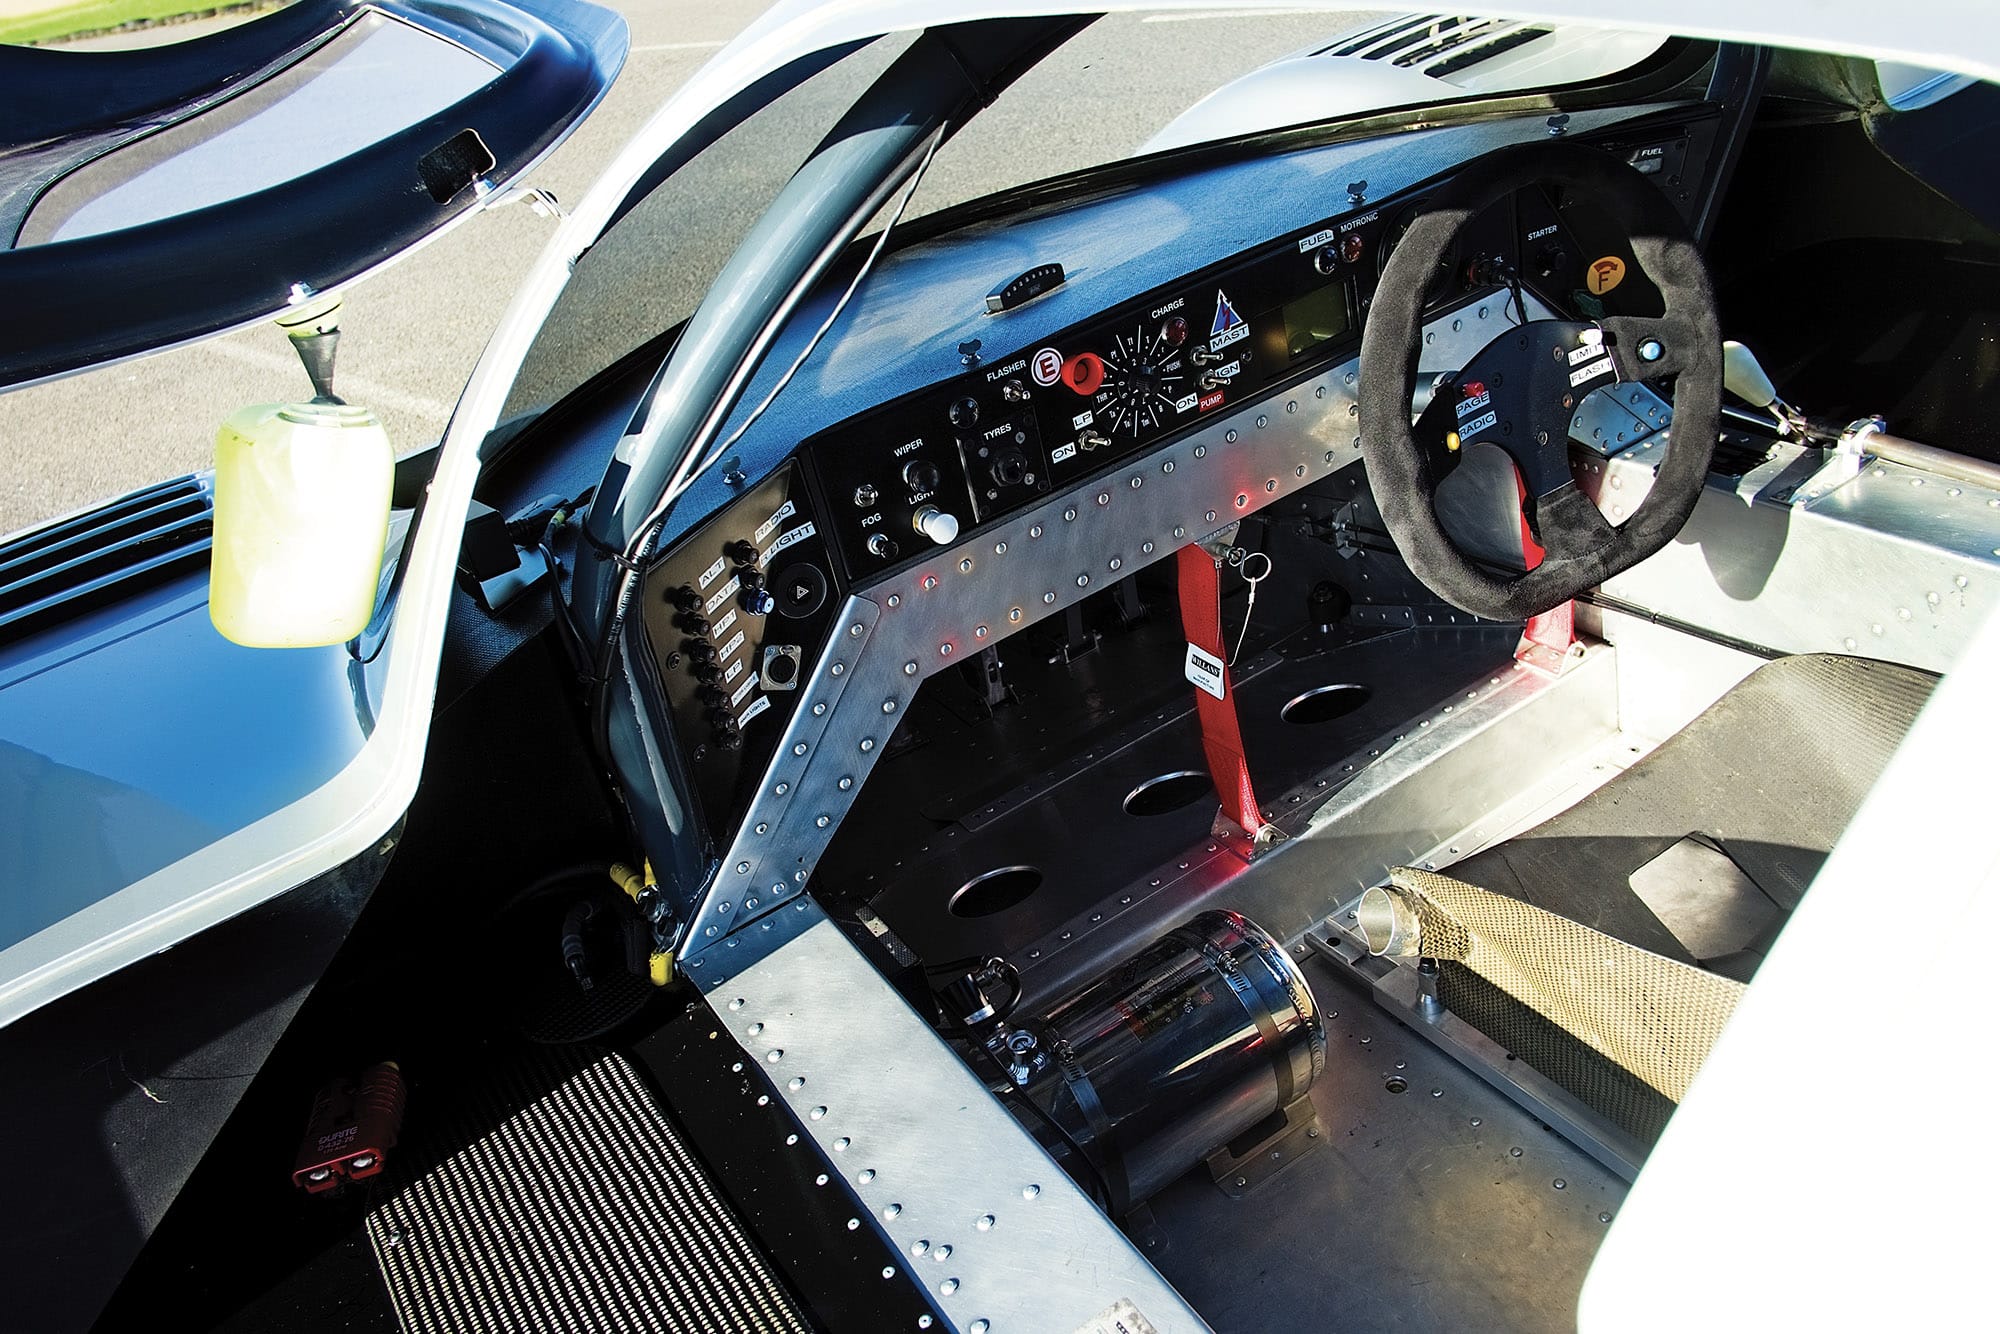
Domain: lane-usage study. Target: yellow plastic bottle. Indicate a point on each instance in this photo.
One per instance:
(302, 494)
(301, 516)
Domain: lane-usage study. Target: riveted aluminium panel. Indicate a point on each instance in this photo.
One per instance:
(997, 1235)
(891, 635)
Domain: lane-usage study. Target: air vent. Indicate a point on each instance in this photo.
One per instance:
(75, 564)
(1447, 37)
(1372, 43)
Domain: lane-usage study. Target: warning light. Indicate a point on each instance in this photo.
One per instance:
(1472, 389)
(1451, 442)
(1084, 373)
(1352, 247)
(1175, 331)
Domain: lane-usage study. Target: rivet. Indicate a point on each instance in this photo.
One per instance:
(1116, 563)
(1168, 466)
(1146, 549)
(798, 1082)
(736, 1004)
(781, 789)
(774, 1055)
(856, 630)
(895, 599)
(888, 706)
(942, 1251)
(909, 669)
(1242, 499)
(867, 1175)
(888, 1271)
(977, 1327)
(743, 868)
(1036, 531)
(853, 1224)
(840, 1145)
(1048, 597)
(838, 668)
(817, 1113)
(799, 749)
(984, 1222)
(1179, 531)
(979, 632)
(930, 582)
(1262, 421)
(1560, 1184)
(1299, 471)
(965, 566)
(1083, 581)
(819, 709)
(920, 1246)
(999, 548)
(1013, 613)
(1030, 1191)
(846, 782)
(822, 821)
(1271, 484)
(948, 1287)
(867, 744)
(1103, 497)
(1209, 516)
(1137, 481)
(1069, 515)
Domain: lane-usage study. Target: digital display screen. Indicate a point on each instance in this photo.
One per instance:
(1315, 318)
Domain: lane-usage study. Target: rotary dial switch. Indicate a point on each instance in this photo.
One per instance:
(1144, 375)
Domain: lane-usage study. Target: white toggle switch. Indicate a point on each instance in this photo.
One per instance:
(935, 524)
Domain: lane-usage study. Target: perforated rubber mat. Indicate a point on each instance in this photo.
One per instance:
(559, 1198)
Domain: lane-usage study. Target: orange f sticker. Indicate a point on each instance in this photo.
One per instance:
(1605, 274)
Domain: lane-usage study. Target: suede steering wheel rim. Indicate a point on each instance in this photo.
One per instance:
(1520, 390)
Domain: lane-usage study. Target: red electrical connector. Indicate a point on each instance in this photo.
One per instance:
(352, 1128)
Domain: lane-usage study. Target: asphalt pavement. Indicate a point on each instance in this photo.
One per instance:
(412, 334)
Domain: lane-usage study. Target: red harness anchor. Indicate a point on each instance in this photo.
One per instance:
(1221, 734)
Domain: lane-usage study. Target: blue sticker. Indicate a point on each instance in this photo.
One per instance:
(1226, 317)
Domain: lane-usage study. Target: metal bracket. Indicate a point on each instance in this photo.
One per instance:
(1239, 1174)
(1841, 463)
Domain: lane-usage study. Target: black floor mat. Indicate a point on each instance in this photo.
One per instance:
(561, 1198)
(1770, 775)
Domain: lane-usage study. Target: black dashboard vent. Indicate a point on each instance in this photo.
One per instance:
(67, 567)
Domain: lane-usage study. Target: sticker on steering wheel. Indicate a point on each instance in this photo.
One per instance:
(1604, 274)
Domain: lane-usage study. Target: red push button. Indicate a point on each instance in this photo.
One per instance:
(1084, 373)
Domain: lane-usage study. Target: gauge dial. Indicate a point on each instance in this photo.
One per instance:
(1145, 372)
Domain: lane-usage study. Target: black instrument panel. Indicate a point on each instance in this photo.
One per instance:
(736, 615)
(917, 472)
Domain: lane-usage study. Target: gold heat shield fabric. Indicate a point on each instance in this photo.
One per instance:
(1654, 1016)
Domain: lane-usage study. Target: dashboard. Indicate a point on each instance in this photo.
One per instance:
(740, 611)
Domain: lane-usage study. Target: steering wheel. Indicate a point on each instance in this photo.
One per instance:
(1521, 390)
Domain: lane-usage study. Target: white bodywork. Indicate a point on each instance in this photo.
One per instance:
(1723, 1198)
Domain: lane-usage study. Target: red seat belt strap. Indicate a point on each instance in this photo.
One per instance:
(1221, 735)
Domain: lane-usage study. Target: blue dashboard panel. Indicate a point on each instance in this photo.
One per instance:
(135, 734)
(902, 329)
